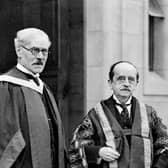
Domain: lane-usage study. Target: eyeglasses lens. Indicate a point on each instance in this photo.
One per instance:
(36, 51)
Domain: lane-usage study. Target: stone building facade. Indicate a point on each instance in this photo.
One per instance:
(132, 30)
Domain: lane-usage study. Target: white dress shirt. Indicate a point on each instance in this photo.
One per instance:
(23, 69)
(128, 103)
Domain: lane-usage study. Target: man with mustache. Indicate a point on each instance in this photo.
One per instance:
(121, 131)
(30, 126)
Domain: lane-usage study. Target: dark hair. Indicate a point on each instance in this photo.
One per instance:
(111, 73)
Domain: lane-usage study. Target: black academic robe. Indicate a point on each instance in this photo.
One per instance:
(30, 127)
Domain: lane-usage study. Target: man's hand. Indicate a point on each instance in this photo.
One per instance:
(108, 154)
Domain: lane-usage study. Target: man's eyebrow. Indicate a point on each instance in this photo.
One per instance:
(121, 76)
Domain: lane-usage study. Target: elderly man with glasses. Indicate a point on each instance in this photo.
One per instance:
(30, 125)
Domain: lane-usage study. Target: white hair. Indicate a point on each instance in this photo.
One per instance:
(25, 36)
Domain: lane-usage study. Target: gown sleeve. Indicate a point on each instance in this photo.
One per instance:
(160, 141)
(83, 150)
(11, 138)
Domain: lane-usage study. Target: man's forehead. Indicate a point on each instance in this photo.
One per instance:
(39, 42)
(125, 69)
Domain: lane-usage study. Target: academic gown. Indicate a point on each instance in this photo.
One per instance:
(30, 127)
(89, 137)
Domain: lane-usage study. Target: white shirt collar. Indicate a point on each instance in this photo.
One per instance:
(120, 108)
(23, 69)
(117, 101)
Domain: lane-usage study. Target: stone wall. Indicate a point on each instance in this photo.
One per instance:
(118, 30)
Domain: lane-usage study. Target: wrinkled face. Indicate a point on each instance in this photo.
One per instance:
(124, 81)
(34, 56)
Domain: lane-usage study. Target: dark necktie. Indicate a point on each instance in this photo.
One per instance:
(124, 115)
(35, 79)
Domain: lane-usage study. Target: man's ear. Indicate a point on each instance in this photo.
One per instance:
(17, 48)
(110, 83)
(18, 52)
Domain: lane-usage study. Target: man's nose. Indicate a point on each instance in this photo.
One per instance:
(126, 82)
(40, 55)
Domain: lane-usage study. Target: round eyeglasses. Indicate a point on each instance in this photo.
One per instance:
(35, 50)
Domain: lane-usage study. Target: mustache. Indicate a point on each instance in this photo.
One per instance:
(127, 89)
(38, 63)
